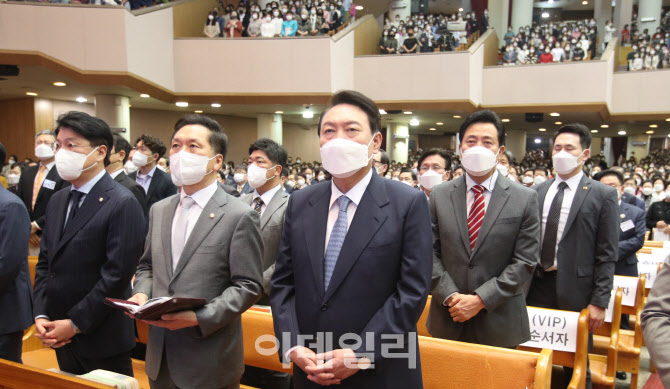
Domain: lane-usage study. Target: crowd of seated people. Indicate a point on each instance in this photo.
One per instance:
(277, 19)
(552, 43)
(421, 33)
(650, 52)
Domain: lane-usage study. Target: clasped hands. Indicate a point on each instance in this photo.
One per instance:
(171, 321)
(55, 333)
(463, 307)
(326, 368)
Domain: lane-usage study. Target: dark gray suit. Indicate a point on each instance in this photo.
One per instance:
(656, 324)
(221, 262)
(135, 188)
(501, 264)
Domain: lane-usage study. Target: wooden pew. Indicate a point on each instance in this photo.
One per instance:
(603, 367)
(652, 244)
(421, 324)
(18, 376)
(32, 261)
(577, 359)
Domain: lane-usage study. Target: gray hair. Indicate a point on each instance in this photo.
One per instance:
(46, 132)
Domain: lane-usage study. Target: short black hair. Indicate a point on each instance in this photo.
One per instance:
(93, 129)
(121, 144)
(359, 100)
(152, 143)
(217, 139)
(484, 116)
(436, 151)
(611, 172)
(242, 166)
(542, 168)
(385, 159)
(408, 170)
(275, 152)
(578, 129)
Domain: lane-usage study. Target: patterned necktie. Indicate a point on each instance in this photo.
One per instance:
(476, 216)
(336, 240)
(258, 204)
(38, 183)
(75, 199)
(181, 228)
(551, 229)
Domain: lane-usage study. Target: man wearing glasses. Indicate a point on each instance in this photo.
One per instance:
(37, 184)
(434, 168)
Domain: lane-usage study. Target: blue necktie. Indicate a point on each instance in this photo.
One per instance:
(336, 240)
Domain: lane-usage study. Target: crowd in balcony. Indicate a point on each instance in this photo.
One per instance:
(649, 51)
(278, 19)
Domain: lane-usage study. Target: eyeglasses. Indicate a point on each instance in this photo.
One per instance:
(434, 167)
(69, 146)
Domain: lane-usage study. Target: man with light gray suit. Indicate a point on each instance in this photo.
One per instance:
(202, 243)
(486, 235)
(656, 324)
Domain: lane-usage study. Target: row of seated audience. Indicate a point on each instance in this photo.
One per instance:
(651, 52)
(283, 18)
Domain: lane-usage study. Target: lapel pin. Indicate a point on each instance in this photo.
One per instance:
(622, 215)
(211, 216)
(585, 188)
(101, 199)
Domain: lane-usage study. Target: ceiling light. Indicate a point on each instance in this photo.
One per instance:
(81, 99)
(439, 123)
(554, 114)
(545, 15)
(538, 140)
(558, 123)
(359, 8)
(31, 93)
(457, 116)
(649, 132)
(621, 132)
(594, 131)
(59, 83)
(604, 126)
(431, 129)
(668, 135)
(182, 104)
(551, 1)
(667, 120)
(414, 122)
(307, 114)
(460, 10)
(653, 126)
(382, 112)
(144, 96)
(506, 120)
(130, 105)
(407, 112)
(198, 111)
(542, 129)
(585, 2)
(216, 105)
(279, 112)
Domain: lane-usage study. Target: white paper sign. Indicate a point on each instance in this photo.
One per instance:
(49, 184)
(649, 259)
(629, 289)
(650, 270)
(627, 225)
(666, 244)
(660, 236)
(660, 252)
(552, 329)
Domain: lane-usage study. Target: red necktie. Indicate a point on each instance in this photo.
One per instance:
(476, 215)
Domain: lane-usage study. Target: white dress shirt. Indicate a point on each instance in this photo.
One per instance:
(568, 196)
(116, 173)
(266, 197)
(488, 184)
(85, 189)
(354, 194)
(201, 198)
(145, 180)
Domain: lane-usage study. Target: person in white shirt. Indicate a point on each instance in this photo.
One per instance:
(277, 22)
(558, 53)
(267, 28)
(609, 31)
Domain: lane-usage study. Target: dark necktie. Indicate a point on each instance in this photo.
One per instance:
(75, 198)
(548, 252)
(258, 204)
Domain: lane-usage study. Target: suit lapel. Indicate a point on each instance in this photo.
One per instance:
(582, 191)
(459, 202)
(368, 219)
(204, 224)
(315, 225)
(154, 182)
(166, 232)
(279, 199)
(542, 194)
(61, 205)
(498, 199)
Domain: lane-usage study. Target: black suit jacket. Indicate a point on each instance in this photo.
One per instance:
(95, 258)
(136, 189)
(229, 189)
(15, 294)
(631, 240)
(379, 286)
(25, 192)
(588, 250)
(632, 200)
(160, 187)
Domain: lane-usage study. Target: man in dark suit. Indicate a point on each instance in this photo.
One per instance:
(117, 158)
(631, 237)
(92, 240)
(484, 259)
(156, 183)
(38, 183)
(633, 200)
(241, 181)
(354, 264)
(15, 298)
(580, 234)
(267, 160)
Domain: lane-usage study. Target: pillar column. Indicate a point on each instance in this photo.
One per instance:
(522, 14)
(403, 8)
(115, 111)
(623, 14)
(515, 141)
(649, 9)
(602, 12)
(397, 141)
(270, 126)
(499, 17)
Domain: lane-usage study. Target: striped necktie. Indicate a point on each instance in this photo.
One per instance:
(337, 235)
(476, 216)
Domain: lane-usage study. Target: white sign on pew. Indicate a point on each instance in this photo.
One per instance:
(649, 259)
(660, 252)
(666, 244)
(660, 236)
(552, 329)
(650, 270)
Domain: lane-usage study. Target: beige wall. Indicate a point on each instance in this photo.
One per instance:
(646, 91)
(640, 151)
(189, 17)
(150, 46)
(301, 141)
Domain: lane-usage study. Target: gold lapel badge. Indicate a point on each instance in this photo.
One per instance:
(585, 188)
(622, 216)
(101, 199)
(211, 216)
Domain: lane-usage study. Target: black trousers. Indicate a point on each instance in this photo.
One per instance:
(71, 362)
(265, 379)
(542, 294)
(11, 346)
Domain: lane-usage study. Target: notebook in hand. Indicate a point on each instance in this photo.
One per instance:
(156, 307)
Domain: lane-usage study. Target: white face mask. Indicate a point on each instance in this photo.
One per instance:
(308, 177)
(344, 157)
(321, 178)
(430, 178)
(238, 177)
(565, 163)
(13, 179)
(658, 188)
(527, 180)
(478, 160)
(11, 162)
(188, 168)
(503, 170)
(395, 179)
(140, 159)
(408, 183)
(159, 167)
(130, 167)
(290, 183)
(629, 190)
(301, 182)
(539, 179)
(258, 175)
(70, 165)
(647, 191)
(44, 151)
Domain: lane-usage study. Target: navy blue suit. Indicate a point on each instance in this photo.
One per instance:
(633, 200)
(160, 187)
(379, 285)
(630, 241)
(95, 258)
(15, 299)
